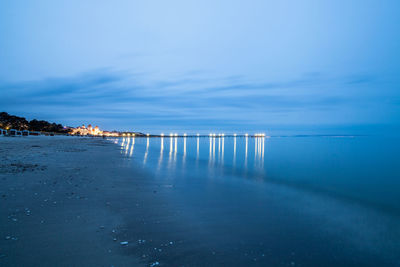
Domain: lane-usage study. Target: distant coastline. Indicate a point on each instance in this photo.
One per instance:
(15, 125)
(8, 122)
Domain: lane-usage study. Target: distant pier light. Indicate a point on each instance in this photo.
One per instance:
(198, 134)
(223, 135)
(147, 134)
(185, 134)
(123, 134)
(234, 134)
(171, 134)
(176, 134)
(162, 134)
(133, 134)
(246, 134)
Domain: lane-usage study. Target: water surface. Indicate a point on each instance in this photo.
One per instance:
(282, 200)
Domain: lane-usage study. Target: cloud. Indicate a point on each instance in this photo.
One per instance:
(191, 99)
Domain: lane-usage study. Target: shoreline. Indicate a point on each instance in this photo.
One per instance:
(81, 202)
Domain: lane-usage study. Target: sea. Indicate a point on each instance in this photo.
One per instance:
(310, 200)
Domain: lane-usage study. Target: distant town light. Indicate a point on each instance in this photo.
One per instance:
(147, 134)
(162, 134)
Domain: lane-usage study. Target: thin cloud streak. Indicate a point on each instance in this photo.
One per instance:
(195, 102)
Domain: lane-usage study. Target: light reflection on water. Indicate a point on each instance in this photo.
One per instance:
(338, 165)
(217, 151)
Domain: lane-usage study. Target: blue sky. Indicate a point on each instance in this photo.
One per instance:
(201, 65)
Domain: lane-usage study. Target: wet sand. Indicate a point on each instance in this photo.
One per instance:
(56, 203)
(69, 201)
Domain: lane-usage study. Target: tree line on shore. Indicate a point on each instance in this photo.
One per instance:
(8, 121)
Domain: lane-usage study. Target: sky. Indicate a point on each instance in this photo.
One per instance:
(202, 65)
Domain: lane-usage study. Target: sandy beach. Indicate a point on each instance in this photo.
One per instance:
(57, 203)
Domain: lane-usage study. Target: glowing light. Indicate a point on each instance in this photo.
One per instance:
(147, 134)
(176, 145)
(133, 143)
(161, 152)
(184, 147)
(234, 150)
(184, 134)
(198, 134)
(197, 147)
(245, 159)
(147, 152)
(246, 134)
(223, 149)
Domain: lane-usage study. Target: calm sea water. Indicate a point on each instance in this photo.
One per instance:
(283, 200)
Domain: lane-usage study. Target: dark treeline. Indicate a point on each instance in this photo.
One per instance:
(8, 121)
